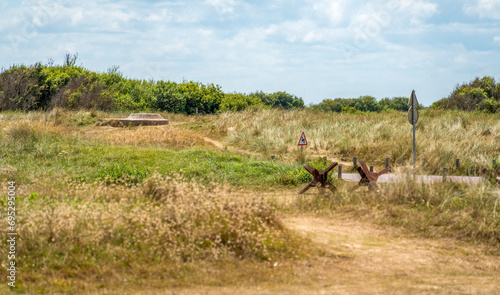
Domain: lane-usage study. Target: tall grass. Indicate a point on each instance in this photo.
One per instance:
(442, 136)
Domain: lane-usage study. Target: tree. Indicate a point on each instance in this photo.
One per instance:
(395, 103)
(280, 99)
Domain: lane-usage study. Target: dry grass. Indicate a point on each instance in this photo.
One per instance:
(58, 116)
(10, 127)
(23, 130)
(147, 136)
(441, 136)
(89, 228)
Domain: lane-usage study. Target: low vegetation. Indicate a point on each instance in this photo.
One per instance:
(199, 201)
(77, 231)
(363, 104)
(482, 94)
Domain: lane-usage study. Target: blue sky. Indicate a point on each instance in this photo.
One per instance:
(313, 49)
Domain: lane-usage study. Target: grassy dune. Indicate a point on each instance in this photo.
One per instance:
(442, 136)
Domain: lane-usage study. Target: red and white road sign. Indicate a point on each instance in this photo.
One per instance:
(302, 140)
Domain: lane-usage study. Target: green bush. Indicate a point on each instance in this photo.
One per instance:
(480, 94)
(350, 110)
(168, 97)
(239, 102)
(20, 88)
(489, 105)
(395, 103)
(280, 99)
(85, 92)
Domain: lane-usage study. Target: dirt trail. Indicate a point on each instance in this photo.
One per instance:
(214, 142)
(220, 145)
(362, 258)
(381, 261)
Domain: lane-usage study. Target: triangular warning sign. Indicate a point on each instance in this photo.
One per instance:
(303, 140)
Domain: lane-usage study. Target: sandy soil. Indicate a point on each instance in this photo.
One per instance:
(385, 261)
(362, 258)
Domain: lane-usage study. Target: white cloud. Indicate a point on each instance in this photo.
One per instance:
(422, 10)
(304, 31)
(396, 11)
(293, 31)
(223, 7)
(497, 39)
(77, 16)
(484, 9)
(333, 10)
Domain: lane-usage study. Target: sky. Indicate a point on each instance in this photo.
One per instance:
(313, 49)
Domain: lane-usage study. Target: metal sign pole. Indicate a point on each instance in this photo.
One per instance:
(413, 119)
(414, 116)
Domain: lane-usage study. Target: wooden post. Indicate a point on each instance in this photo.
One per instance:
(444, 174)
(457, 163)
(371, 168)
(196, 111)
(354, 162)
(386, 162)
(423, 163)
(340, 171)
(272, 157)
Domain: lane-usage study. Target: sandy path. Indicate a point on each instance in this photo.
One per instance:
(362, 258)
(382, 261)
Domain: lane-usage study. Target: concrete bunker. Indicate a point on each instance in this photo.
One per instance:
(137, 119)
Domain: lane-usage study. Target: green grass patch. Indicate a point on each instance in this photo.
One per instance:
(38, 154)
